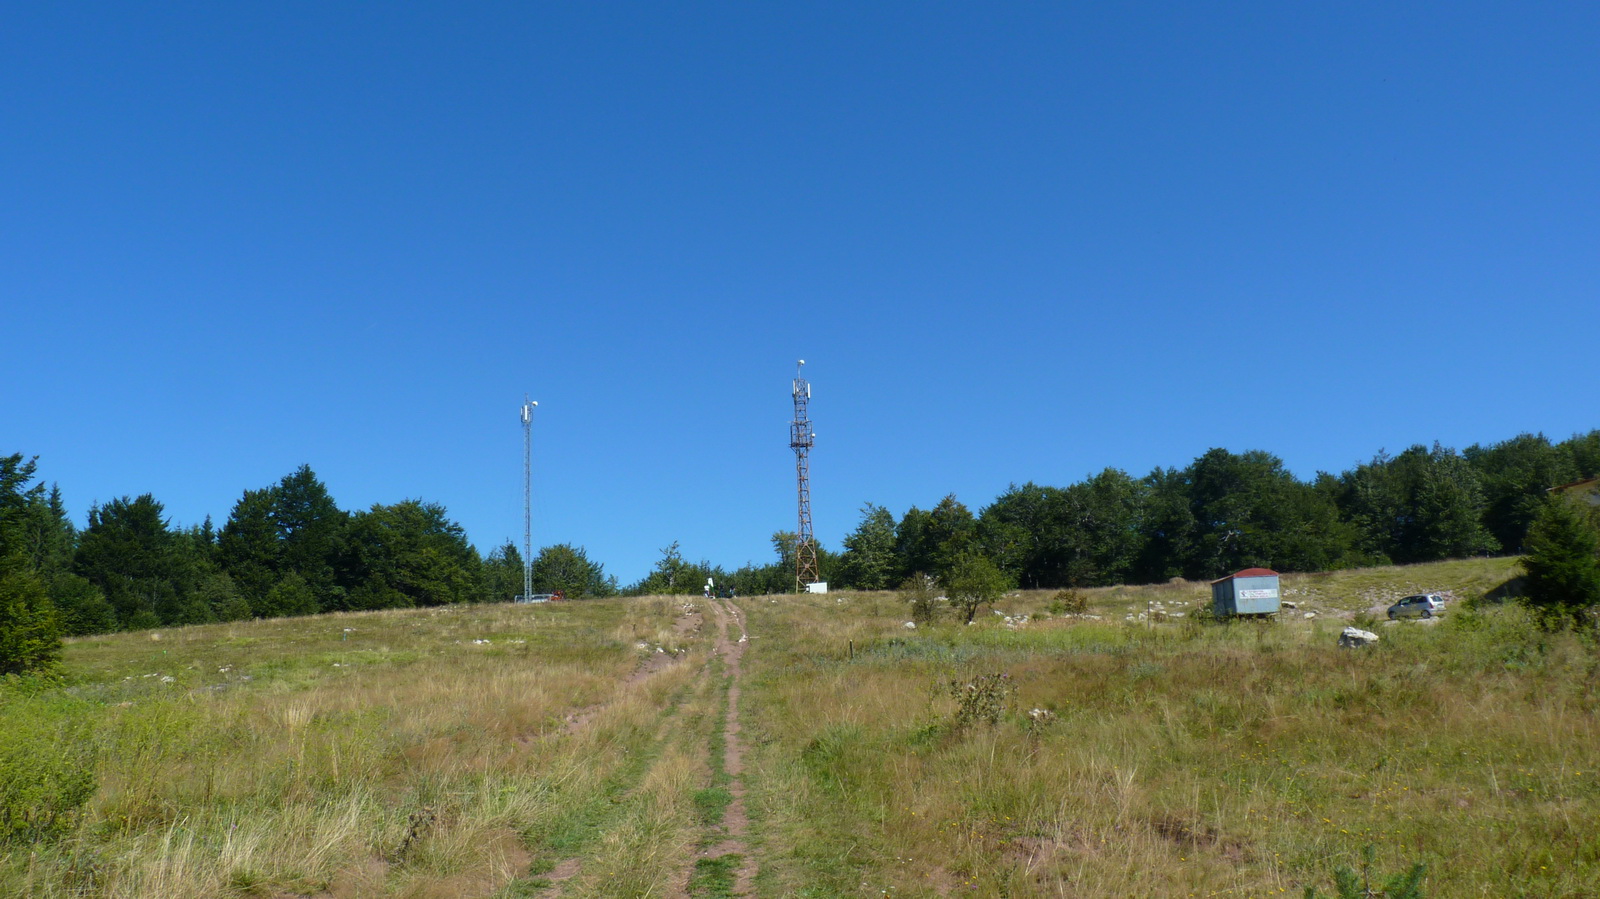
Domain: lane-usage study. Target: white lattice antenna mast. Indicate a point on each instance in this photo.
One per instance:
(801, 439)
(527, 497)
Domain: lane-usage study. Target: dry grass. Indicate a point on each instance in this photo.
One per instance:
(409, 755)
(404, 757)
(1178, 759)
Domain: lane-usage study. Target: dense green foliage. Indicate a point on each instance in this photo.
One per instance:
(1563, 561)
(287, 549)
(1226, 511)
(30, 628)
(567, 569)
(46, 766)
(972, 581)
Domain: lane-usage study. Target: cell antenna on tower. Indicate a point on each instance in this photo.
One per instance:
(801, 437)
(527, 497)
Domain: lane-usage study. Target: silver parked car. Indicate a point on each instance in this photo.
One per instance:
(1423, 605)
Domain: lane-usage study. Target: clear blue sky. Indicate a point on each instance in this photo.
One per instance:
(1019, 241)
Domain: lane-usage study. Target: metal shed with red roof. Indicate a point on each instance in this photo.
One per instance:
(1253, 591)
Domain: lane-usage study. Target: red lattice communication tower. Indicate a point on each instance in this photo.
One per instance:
(801, 437)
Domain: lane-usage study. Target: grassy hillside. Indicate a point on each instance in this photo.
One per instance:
(639, 747)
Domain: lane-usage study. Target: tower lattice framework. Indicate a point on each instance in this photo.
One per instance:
(801, 438)
(527, 497)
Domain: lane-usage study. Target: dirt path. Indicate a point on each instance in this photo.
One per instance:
(688, 623)
(735, 824)
(725, 840)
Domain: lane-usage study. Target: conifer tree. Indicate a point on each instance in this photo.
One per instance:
(1563, 561)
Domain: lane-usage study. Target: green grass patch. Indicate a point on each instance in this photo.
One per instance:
(714, 878)
(710, 804)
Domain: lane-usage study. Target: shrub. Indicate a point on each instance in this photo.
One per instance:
(30, 629)
(1068, 602)
(921, 593)
(1359, 886)
(46, 770)
(984, 699)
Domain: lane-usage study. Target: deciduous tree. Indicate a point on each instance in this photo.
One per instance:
(972, 581)
(567, 568)
(868, 561)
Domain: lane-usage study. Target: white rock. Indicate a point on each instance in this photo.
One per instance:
(1289, 605)
(910, 625)
(1355, 636)
(1311, 614)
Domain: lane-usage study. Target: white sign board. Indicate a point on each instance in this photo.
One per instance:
(1268, 593)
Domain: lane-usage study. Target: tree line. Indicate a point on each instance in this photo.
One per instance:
(286, 549)
(1227, 511)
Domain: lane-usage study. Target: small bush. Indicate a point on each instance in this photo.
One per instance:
(46, 769)
(921, 592)
(30, 629)
(1360, 886)
(984, 699)
(1068, 602)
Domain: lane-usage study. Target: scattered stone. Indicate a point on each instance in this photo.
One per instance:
(910, 625)
(1311, 614)
(1289, 605)
(1353, 637)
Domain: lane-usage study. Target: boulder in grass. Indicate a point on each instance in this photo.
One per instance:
(910, 625)
(1355, 636)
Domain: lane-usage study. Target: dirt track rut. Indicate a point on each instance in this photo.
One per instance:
(731, 835)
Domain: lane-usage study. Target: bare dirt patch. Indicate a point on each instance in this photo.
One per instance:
(1196, 837)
